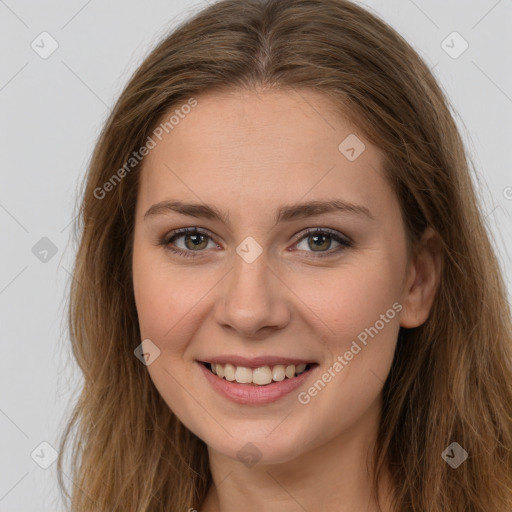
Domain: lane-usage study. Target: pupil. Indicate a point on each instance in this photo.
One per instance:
(195, 239)
(316, 237)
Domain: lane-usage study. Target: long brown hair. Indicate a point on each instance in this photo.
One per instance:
(451, 378)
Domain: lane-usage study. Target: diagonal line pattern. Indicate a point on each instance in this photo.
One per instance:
(279, 424)
(14, 485)
(183, 182)
(13, 13)
(84, 83)
(72, 275)
(313, 108)
(96, 505)
(424, 13)
(486, 14)
(67, 225)
(75, 15)
(13, 217)
(13, 279)
(286, 491)
(376, 375)
(14, 76)
(14, 423)
(224, 479)
(492, 81)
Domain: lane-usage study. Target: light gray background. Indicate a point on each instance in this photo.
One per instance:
(51, 111)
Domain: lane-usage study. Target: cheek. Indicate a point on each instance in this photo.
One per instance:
(356, 310)
(358, 314)
(349, 299)
(165, 302)
(159, 300)
(168, 298)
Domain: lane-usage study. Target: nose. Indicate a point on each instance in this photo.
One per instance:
(253, 301)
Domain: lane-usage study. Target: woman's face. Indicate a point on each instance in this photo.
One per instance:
(254, 284)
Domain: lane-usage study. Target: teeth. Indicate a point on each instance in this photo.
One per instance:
(278, 373)
(290, 371)
(261, 376)
(219, 370)
(300, 368)
(243, 375)
(229, 372)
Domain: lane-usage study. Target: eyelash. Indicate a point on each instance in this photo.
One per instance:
(173, 235)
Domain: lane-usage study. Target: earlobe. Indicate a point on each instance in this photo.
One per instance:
(423, 280)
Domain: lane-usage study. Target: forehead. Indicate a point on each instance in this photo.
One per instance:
(254, 148)
(277, 122)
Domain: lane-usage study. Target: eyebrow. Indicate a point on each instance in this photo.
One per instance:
(284, 214)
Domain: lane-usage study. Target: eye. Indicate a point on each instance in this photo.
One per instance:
(322, 239)
(193, 238)
(196, 239)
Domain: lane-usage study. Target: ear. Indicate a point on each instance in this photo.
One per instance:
(422, 280)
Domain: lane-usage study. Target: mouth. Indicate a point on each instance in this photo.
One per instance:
(258, 377)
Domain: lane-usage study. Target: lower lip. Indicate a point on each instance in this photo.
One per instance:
(253, 394)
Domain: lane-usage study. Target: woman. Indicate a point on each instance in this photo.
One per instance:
(229, 367)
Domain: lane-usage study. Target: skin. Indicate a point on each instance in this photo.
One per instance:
(249, 153)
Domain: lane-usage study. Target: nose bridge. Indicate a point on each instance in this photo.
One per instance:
(252, 295)
(250, 272)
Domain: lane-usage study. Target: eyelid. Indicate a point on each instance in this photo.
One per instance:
(192, 230)
(332, 232)
(344, 241)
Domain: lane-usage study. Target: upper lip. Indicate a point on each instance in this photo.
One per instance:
(255, 362)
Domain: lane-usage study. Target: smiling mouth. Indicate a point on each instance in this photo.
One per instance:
(262, 376)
